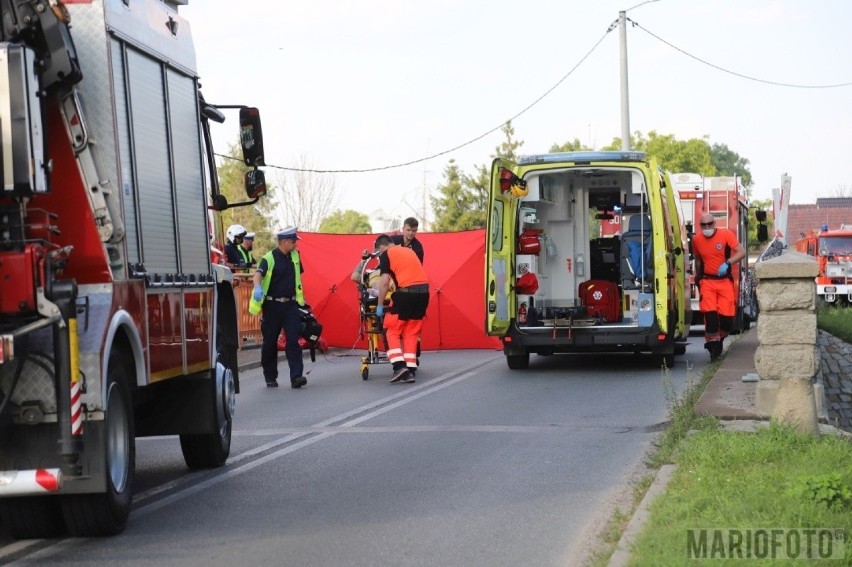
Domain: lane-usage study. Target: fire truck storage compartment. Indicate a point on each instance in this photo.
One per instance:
(21, 140)
(160, 170)
(17, 272)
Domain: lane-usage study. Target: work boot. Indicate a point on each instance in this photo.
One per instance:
(715, 349)
(298, 382)
(399, 373)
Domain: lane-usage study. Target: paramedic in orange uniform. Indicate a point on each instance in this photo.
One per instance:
(715, 249)
(403, 319)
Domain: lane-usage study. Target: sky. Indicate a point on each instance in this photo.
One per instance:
(368, 84)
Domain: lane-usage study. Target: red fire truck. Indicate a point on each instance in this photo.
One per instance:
(833, 252)
(725, 198)
(114, 322)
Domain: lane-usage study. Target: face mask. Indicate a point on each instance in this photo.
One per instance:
(708, 232)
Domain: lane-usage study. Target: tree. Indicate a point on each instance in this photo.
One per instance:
(304, 197)
(455, 208)
(573, 146)
(255, 218)
(463, 199)
(729, 163)
(694, 155)
(758, 205)
(841, 190)
(675, 155)
(346, 222)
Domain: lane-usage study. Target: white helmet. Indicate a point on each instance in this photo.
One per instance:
(234, 231)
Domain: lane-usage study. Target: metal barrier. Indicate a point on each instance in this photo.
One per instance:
(248, 325)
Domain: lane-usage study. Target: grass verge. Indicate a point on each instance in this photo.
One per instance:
(775, 478)
(772, 478)
(835, 320)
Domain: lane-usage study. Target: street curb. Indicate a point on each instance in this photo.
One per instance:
(622, 553)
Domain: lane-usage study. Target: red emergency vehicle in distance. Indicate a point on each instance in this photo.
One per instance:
(725, 198)
(833, 252)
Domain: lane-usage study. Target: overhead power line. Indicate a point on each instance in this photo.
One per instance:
(476, 139)
(740, 75)
(612, 27)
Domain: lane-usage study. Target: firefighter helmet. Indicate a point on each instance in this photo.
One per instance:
(235, 231)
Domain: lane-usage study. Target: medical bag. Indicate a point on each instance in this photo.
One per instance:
(529, 242)
(601, 299)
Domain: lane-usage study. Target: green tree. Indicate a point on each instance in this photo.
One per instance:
(694, 155)
(730, 163)
(255, 218)
(456, 207)
(463, 199)
(759, 205)
(573, 146)
(675, 155)
(346, 222)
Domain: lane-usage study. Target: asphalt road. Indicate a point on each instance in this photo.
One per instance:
(474, 464)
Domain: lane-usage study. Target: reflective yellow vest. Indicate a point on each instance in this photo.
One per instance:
(255, 307)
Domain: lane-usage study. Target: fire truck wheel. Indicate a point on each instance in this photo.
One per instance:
(518, 361)
(106, 514)
(32, 517)
(210, 450)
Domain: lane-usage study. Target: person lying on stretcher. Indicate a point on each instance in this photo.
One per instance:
(369, 276)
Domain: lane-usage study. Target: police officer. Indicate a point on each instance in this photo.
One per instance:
(244, 248)
(233, 258)
(715, 250)
(278, 294)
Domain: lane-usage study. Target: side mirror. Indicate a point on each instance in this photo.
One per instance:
(762, 233)
(255, 184)
(220, 203)
(760, 216)
(251, 137)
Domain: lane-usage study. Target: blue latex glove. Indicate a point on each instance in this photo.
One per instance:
(723, 269)
(258, 293)
(380, 310)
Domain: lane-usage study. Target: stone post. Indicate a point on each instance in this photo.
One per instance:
(787, 357)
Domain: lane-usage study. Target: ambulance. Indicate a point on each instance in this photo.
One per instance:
(558, 282)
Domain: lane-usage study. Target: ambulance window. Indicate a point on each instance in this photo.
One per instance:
(497, 226)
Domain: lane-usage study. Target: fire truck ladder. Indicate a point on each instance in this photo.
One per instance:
(721, 214)
(102, 200)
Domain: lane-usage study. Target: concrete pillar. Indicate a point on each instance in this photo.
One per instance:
(787, 358)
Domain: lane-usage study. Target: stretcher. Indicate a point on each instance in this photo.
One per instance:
(371, 327)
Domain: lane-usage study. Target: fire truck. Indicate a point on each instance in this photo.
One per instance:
(725, 198)
(833, 252)
(114, 321)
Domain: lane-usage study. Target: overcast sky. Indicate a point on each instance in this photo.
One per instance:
(360, 84)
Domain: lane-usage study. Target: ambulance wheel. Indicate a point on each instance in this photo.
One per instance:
(680, 349)
(106, 514)
(667, 360)
(365, 373)
(32, 517)
(518, 361)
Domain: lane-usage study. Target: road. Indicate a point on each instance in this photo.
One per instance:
(474, 464)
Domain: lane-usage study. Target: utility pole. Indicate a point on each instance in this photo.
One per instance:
(625, 97)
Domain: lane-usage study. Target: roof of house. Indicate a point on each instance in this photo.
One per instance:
(832, 211)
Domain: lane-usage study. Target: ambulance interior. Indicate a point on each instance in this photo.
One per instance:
(585, 234)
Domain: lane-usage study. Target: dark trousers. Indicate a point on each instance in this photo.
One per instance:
(276, 316)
